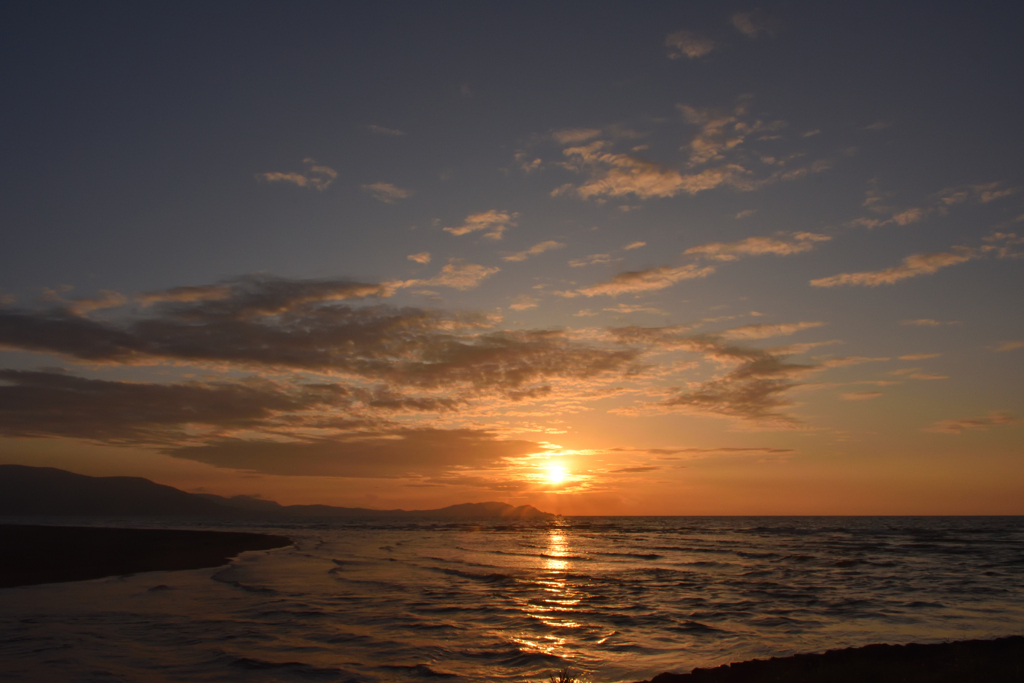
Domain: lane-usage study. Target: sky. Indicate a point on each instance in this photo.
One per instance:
(675, 258)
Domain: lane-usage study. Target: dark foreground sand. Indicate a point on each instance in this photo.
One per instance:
(966, 661)
(51, 554)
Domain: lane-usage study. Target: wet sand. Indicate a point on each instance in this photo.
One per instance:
(52, 554)
(968, 661)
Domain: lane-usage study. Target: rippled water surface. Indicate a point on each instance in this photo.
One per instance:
(620, 599)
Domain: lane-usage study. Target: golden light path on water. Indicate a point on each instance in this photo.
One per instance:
(561, 596)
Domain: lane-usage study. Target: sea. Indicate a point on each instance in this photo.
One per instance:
(611, 599)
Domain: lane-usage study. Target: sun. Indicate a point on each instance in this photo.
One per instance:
(556, 474)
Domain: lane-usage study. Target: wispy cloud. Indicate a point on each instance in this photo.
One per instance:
(1009, 346)
(688, 44)
(574, 136)
(752, 391)
(861, 395)
(753, 23)
(929, 322)
(316, 176)
(717, 158)
(766, 331)
(756, 246)
(386, 192)
(939, 204)
(722, 131)
(538, 248)
(422, 257)
(593, 259)
(913, 266)
(523, 303)
(494, 222)
(105, 299)
(1003, 244)
(878, 125)
(959, 426)
(456, 275)
(374, 128)
(650, 280)
(693, 453)
(325, 326)
(634, 245)
(633, 308)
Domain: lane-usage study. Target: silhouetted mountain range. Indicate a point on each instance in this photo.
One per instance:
(47, 491)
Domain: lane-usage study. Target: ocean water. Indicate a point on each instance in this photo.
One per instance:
(615, 599)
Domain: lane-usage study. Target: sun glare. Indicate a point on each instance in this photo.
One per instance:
(556, 474)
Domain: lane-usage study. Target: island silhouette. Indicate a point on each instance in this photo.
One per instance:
(48, 491)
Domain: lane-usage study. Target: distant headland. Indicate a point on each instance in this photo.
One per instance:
(47, 491)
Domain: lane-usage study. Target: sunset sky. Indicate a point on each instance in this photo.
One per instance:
(599, 257)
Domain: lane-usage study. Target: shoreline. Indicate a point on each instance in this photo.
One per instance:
(35, 555)
(999, 660)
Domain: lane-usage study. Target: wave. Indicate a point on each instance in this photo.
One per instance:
(420, 670)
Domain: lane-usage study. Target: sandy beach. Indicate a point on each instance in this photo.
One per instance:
(53, 554)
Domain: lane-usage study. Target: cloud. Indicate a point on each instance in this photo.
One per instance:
(493, 221)
(455, 275)
(940, 204)
(747, 213)
(752, 24)
(106, 299)
(1002, 244)
(994, 419)
(929, 322)
(692, 453)
(910, 216)
(523, 303)
(861, 395)
(316, 176)
(718, 147)
(260, 322)
(525, 163)
(688, 44)
(646, 280)
(374, 128)
(390, 453)
(634, 245)
(913, 266)
(752, 391)
(920, 356)
(878, 125)
(632, 308)
(574, 136)
(619, 175)
(386, 192)
(722, 132)
(538, 248)
(847, 361)
(639, 469)
(422, 257)
(1010, 346)
(593, 259)
(757, 246)
(765, 331)
(48, 404)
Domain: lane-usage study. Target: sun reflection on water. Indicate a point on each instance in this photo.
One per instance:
(559, 596)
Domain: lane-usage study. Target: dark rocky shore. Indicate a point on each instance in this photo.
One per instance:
(967, 661)
(51, 554)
